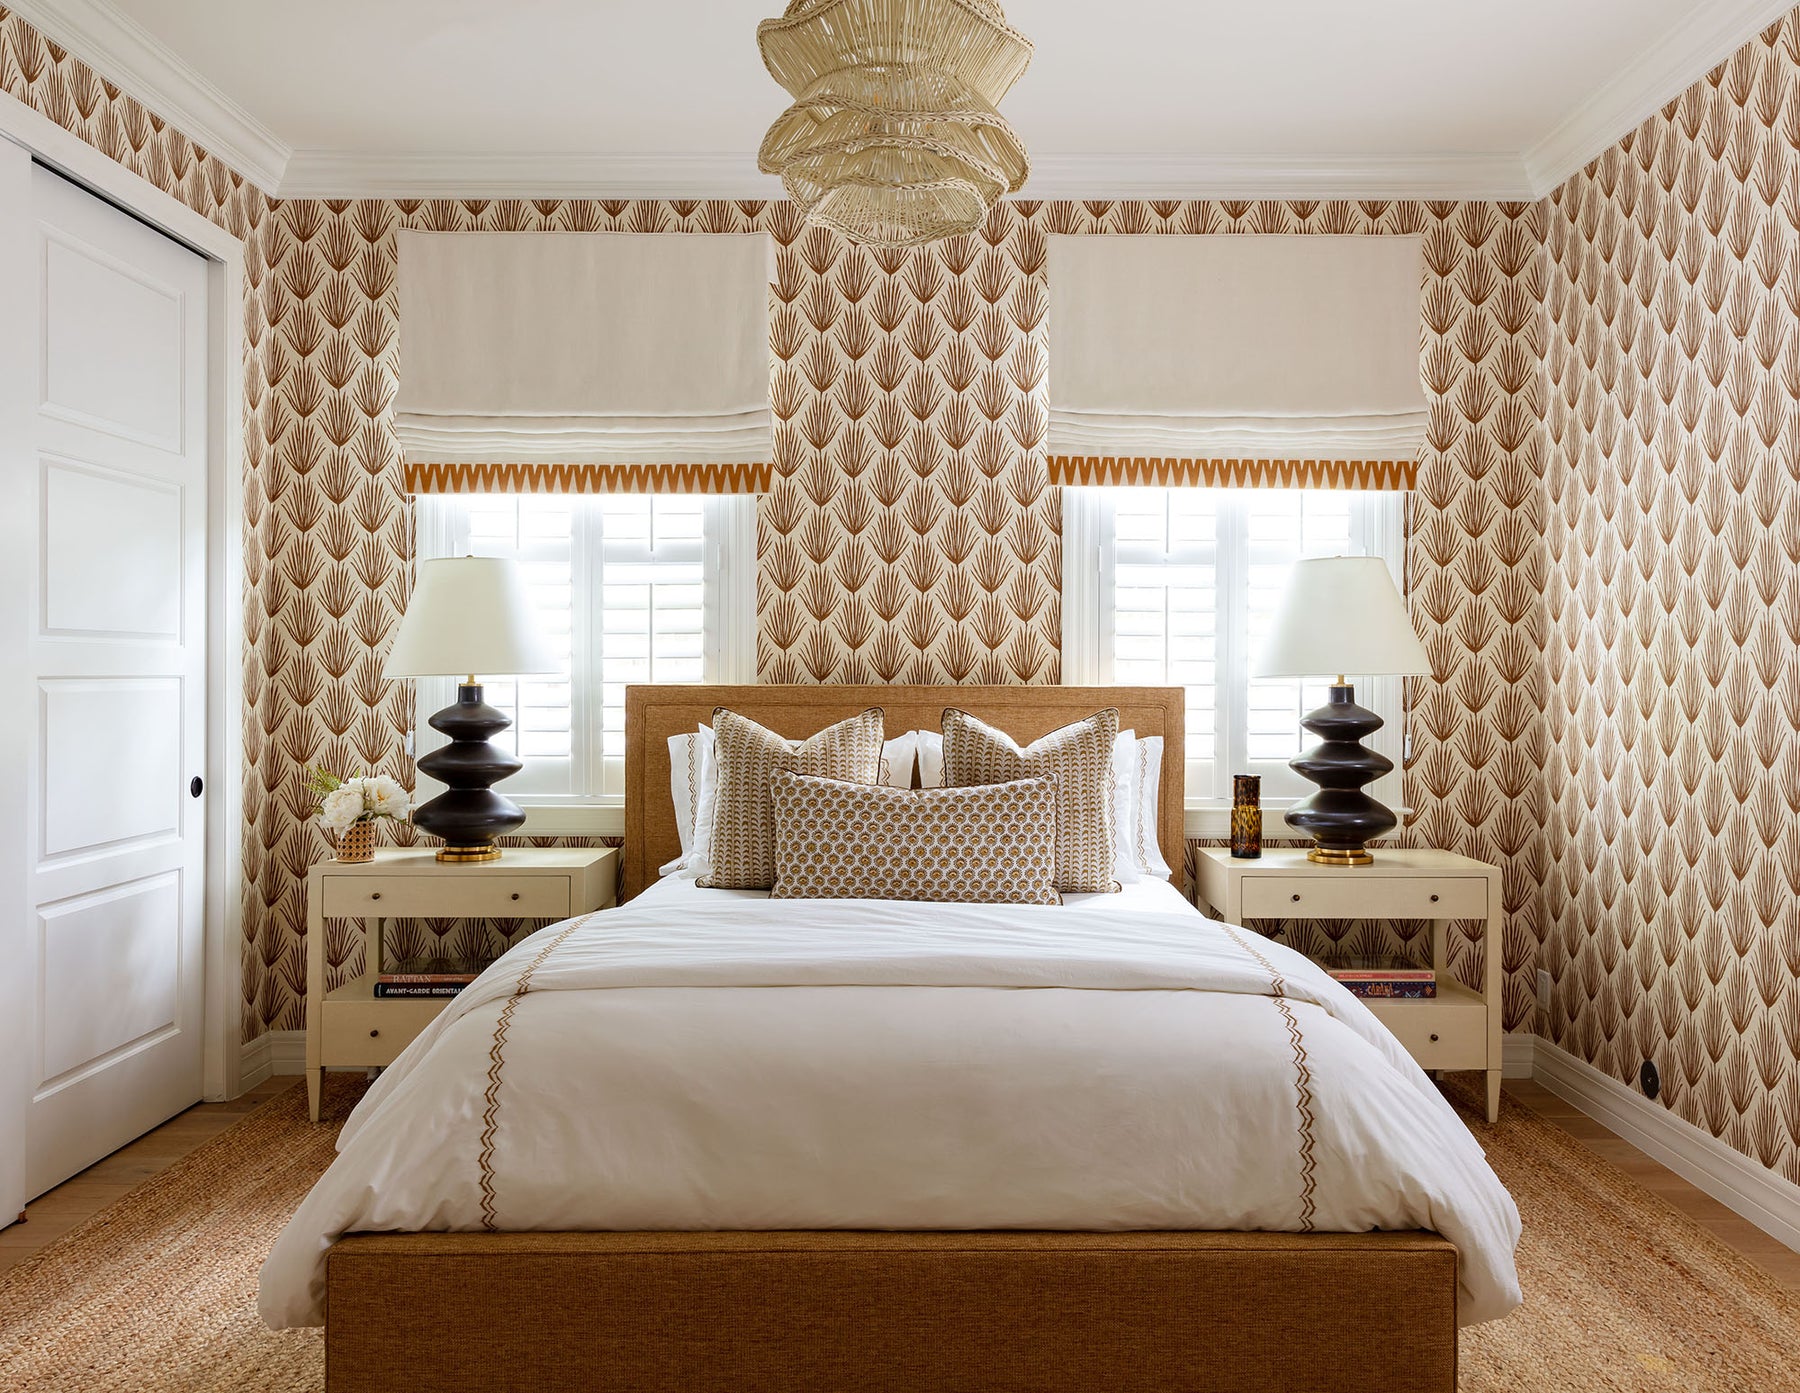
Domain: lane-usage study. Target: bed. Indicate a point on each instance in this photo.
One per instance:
(712, 1140)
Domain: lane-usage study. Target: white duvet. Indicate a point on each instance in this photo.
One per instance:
(697, 1061)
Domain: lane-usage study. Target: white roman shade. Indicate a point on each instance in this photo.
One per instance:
(584, 362)
(1235, 360)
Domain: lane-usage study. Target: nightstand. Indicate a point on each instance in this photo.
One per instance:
(353, 1028)
(1459, 1028)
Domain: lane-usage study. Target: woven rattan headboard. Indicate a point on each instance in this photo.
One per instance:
(653, 713)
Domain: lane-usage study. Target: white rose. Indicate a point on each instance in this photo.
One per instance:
(386, 797)
(340, 808)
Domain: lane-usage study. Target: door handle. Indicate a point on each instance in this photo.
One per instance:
(196, 786)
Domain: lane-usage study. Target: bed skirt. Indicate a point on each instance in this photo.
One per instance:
(828, 1312)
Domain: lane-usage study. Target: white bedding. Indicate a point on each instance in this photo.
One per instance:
(700, 1060)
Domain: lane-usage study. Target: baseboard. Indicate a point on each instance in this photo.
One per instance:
(1518, 1055)
(1753, 1191)
(271, 1053)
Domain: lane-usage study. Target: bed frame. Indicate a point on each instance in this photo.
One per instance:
(831, 1312)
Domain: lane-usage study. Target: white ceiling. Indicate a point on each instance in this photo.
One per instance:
(1500, 98)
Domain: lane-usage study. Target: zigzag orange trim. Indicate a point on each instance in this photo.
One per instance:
(588, 478)
(1123, 470)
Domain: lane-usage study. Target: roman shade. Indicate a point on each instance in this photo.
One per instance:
(584, 362)
(1234, 361)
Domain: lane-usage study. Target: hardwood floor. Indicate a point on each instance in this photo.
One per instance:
(53, 1214)
(1777, 1259)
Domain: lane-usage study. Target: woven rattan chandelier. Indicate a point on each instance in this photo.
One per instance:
(893, 138)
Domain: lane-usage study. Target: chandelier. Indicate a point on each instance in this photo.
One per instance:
(894, 138)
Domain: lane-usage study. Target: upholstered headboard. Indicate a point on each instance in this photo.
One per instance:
(653, 713)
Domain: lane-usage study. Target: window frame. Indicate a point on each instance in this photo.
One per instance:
(728, 645)
(1090, 567)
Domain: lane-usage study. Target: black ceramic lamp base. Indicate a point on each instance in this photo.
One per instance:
(469, 815)
(1340, 818)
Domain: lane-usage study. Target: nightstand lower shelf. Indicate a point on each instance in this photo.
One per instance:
(359, 1029)
(1448, 1031)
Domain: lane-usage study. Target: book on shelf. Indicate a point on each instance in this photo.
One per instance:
(386, 991)
(427, 977)
(1383, 976)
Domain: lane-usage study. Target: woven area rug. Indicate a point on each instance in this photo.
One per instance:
(158, 1293)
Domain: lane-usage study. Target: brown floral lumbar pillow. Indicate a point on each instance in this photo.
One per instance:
(745, 754)
(990, 844)
(1077, 758)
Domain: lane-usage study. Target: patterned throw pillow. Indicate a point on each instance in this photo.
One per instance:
(989, 844)
(741, 851)
(1078, 758)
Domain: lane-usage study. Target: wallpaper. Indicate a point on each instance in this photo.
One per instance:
(1673, 528)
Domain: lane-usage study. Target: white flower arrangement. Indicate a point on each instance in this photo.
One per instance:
(345, 802)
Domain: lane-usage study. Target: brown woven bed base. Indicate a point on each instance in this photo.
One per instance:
(891, 1313)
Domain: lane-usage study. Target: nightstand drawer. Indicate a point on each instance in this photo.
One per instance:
(469, 895)
(1341, 895)
(370, 1032)
(1449, 1032)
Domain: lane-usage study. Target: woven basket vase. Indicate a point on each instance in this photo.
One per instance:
(357, 844)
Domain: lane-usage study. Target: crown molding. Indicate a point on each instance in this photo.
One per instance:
(332, 174)
(1709, 35)
(123, 52)
(343, 174)
(1277, 176)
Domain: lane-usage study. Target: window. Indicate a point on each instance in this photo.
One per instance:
(1179, 586)
(629, 588)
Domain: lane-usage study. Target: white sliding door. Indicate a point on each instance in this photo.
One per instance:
(107, 319)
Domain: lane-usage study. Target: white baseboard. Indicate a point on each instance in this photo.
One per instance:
(1753, 1191)
(1517, 1055)
(271, 1053)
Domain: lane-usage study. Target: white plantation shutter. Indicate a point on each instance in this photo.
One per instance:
(629, 588)
(1178, 586)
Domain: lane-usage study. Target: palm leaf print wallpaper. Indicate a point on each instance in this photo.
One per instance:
(1602, 546)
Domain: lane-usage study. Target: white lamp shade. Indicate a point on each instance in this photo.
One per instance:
(1341, 615)
(469, 615)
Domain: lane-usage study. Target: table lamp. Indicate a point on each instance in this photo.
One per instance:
(1341, 614)
(469, 615)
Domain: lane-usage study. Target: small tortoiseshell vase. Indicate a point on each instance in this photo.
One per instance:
(1246, 816)
(357, 842)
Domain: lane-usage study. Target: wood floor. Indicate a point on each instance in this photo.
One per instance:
(55, 1213)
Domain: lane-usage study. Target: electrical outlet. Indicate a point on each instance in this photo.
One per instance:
(1543, 990)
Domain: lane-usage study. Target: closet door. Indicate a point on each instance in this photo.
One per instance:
(111, 624)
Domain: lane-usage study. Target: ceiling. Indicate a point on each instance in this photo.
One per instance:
(1495, 98)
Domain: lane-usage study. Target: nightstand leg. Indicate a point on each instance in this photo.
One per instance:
(1493, 1095)
(314, 1078)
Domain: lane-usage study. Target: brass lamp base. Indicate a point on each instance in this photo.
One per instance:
(1340, 856)
(466, 854)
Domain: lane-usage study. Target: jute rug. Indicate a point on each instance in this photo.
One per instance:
(158, 1293)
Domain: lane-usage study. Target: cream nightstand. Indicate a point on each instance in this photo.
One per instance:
(351, 1027)
(1459, 1029)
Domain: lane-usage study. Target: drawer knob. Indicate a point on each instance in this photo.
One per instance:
(515, 894)
(1434, 899)
(1296, 899)
(1434, 1037)
(373, 1034)
(376, 895)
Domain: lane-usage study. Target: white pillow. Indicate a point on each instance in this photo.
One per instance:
(691, 782)
(931, 757)
(897, 756)
(1146, 782)
(1124, 761)
(694, 785)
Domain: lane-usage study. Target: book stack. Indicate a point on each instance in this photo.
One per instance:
(427, 977)
(1384, 976)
